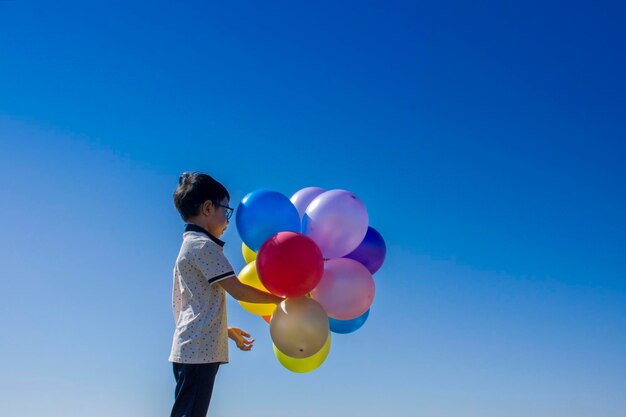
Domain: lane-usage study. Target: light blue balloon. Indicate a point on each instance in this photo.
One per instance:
(263, 213)
(348, 326)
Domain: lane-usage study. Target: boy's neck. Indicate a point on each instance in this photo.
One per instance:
(193, 227)
(203, 223)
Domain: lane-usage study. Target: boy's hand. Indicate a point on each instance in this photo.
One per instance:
(241, 338)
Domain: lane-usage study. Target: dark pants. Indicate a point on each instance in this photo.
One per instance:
(194, 385)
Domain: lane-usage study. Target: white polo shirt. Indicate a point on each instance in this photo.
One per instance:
(198, 302)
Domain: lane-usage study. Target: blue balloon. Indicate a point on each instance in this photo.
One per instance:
(348, 326)
(263, 213)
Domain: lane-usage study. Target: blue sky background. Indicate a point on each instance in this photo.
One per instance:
(486, 139)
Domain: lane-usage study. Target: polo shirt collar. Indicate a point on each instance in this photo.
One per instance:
(195, 228)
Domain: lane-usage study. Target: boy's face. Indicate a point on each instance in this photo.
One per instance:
(217, 218)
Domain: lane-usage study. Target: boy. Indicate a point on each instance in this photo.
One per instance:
(202, 274)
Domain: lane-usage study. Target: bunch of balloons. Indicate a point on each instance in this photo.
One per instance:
(318, 251)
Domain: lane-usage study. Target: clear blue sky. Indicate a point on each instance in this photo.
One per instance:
(487, 140)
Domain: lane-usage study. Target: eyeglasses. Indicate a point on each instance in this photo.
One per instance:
(229, 211)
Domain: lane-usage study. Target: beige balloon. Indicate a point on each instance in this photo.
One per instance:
(299, 327)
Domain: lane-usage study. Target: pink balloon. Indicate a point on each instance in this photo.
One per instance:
(337, 221)
(346, 290)
(301, 199)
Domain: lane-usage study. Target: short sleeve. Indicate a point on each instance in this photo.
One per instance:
(212, 263)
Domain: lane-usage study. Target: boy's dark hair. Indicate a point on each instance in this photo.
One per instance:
(194, 189)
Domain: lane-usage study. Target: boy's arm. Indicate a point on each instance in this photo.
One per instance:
(246, 293)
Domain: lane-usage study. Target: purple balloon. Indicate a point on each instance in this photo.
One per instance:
(371, 252)
(337, 221)
(303, 198)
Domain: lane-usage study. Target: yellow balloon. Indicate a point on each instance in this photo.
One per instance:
(249, 276)
(303, 365)
(248, 254)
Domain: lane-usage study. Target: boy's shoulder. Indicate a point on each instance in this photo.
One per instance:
(207, 258)
(199, 242)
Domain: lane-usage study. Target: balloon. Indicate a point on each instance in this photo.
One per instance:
(267, 319)
(299, 327)
(248, 254)
(290, 264)
(303, 198)
(348, 326)
(371, 252)
(249, 276)
(263, 213)
(337, 221)
(346, 289)
(304, 365)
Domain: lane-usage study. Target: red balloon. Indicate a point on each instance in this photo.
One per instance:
(290, 264)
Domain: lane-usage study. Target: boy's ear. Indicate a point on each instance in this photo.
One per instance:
(208, 206)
